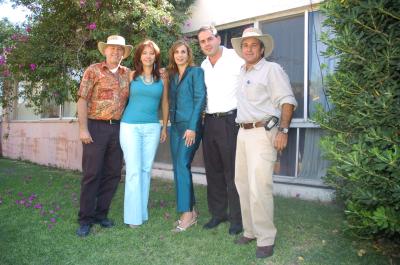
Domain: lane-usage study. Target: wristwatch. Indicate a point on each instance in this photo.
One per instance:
(283, 130)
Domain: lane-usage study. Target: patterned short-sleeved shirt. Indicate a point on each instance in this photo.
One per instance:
(106, 93)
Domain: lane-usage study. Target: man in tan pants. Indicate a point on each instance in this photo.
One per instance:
(265, 101)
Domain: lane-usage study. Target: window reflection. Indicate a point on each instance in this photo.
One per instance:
(288, 35)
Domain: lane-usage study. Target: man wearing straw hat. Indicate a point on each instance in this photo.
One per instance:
(103, 94)
(265, 107)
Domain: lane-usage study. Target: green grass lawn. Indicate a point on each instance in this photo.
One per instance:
(308, 232)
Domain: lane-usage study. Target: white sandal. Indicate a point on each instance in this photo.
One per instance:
(180, 228)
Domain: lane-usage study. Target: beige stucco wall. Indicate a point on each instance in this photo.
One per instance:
(46, 142)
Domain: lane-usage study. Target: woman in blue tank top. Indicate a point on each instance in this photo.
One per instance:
(186, 100)
(141, 131)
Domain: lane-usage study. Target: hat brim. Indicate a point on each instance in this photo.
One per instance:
(266, 39)
(127, 48)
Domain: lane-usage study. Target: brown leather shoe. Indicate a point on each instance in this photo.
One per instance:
(243, 240)
(264, 252)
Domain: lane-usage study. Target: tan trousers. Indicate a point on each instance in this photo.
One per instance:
(255, 159)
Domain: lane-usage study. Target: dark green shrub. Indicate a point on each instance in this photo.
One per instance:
(363, 142)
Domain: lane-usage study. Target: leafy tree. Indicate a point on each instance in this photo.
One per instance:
(61, 38)
(364, 125)
(8, 31)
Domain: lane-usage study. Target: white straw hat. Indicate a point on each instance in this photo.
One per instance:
(254, 33)
(115, 40)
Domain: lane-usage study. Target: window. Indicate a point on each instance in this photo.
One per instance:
(50, 110)
(288, 35)
(227, 34)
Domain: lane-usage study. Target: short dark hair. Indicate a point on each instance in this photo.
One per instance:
(210, 28)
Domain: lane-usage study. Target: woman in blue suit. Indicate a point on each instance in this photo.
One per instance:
(186, 100)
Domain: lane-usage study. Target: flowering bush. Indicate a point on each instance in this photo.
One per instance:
(60, 40)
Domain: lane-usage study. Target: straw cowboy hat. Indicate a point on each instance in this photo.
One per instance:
(254, 33)
(115, 40)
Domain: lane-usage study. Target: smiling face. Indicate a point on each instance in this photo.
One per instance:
(251, 50)
(148, 56)
(114, 54)
(181, 55)
(209, 43)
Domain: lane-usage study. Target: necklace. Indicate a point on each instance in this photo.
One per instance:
(147, 82)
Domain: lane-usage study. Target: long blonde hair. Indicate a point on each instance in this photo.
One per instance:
(172, 67)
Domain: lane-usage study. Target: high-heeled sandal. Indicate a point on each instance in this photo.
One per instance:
(179, 228)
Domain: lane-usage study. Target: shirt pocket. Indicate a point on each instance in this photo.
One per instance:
(254, 92)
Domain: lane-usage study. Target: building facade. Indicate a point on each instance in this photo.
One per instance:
(296, 26)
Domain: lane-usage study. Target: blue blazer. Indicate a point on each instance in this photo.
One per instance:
(187, 97)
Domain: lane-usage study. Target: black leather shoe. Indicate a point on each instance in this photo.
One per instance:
(83, 230)
(106, 223)
(235, 229)
(214, 222)
(264, 252)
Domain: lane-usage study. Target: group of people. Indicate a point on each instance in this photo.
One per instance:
(237, 103)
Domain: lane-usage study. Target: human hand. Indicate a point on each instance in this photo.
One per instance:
(190, 137)
(85, 137)
(281, 140)
(163, 73)
(163, 135)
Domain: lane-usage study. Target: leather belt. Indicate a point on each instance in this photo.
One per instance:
(252, 125)
(221, 114)
(107, 121)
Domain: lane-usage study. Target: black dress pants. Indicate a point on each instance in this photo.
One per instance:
(101, 166)
(219, 147)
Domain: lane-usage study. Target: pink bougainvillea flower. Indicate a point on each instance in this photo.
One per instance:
(8, 49)
(28, 204)
(14, 36)
(53, 220)
(98, 4)
(2, 60)
(82, 3)
(20, 194)
(162, 204)
(6, 73)
(91, 26)
(17, 201)
(23, 38)
(28, 29)
(33, 66)
(38, 206)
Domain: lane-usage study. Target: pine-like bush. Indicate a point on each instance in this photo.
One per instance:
(363, 124)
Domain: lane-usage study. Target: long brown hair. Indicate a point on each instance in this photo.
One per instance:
(172, 67)
(137, 63)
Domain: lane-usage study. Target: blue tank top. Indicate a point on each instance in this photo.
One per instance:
(144, 100)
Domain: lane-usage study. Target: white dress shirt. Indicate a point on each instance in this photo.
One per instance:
(222, 81)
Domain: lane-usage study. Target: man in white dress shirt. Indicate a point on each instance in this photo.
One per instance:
(221, 72)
